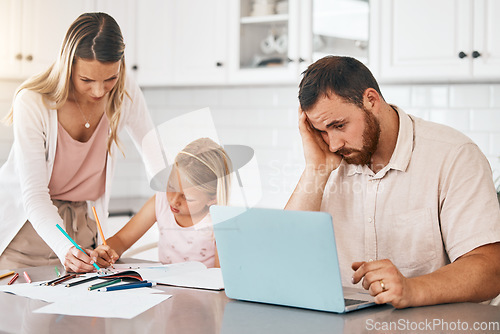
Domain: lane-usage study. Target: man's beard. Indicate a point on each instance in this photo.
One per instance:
(371, 136)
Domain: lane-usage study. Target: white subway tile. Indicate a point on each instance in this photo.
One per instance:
(485, 120)
(469, 96)
(495, 144)
(430, 96)
(495, 96)
(456, 118)
(398, 95)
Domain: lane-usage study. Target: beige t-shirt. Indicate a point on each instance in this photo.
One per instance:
(432, 203)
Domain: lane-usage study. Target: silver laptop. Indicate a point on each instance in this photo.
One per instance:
(282, 257)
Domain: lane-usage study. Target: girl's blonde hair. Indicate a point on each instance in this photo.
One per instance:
(207, 167)
(92, 36)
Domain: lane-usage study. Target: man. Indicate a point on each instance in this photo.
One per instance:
(413, 203)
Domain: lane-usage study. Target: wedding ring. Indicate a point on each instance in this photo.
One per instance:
(382, 285)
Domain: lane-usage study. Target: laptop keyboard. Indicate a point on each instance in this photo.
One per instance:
(349, 302)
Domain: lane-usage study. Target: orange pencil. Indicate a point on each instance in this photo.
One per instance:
(100, 229)
(99, 225)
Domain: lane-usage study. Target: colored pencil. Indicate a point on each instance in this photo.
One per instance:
(57, 271)
(99, 226)
(102, 285)
(82, 281)
(27, 277)
(65, 278)
(75, 244)
(128, 286)
(55, 280)
(13, 279)
(7, 274)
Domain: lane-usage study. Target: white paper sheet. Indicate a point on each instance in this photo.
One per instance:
(78, 300)
(115, 304)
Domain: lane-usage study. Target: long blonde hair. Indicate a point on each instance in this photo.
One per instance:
(92, 36)
(207, 167)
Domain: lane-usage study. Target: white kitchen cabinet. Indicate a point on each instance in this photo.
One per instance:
(276, 47)
(182, 42)
(124, 13)
(269, 47)
(442, 40)
(31, 33)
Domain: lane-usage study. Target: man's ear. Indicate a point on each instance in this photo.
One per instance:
(371, 99)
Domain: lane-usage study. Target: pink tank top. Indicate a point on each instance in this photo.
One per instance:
(79, 172)
(182, 244)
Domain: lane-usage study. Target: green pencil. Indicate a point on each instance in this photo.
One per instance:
(57, 271)
(101, 285)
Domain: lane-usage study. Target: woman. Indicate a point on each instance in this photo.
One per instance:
(66, 122)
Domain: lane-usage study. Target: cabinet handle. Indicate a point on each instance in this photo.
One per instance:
(134, 67)
(475, 54)
(19, 56)
(218, 64)
(462, 55)
(29, 57)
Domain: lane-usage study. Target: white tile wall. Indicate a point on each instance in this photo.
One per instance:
(265, 118)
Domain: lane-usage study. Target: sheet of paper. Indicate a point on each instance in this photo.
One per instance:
(78, 300)
(116, 304)
(186, 274)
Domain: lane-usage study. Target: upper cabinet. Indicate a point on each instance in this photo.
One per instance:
(214, 42)
(31, 33)
(444, 40)
(269, 40)
(273, 41)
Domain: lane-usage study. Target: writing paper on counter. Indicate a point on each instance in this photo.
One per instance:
(186, 274)
(78, 300)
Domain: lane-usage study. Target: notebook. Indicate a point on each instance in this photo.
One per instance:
(282, 257)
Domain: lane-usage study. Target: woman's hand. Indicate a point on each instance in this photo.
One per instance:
(77, 261)
(316, 151)
(106, 256)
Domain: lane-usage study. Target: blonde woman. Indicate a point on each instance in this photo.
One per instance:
(66, 122)
(199, 179)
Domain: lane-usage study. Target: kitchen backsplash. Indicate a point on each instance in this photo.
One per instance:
(265, 118)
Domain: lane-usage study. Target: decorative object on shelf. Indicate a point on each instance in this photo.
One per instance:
(282, 7)
(263, 7)
(274, 43)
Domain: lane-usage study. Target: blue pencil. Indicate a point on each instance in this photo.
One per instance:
(128, 286)
(75, 244)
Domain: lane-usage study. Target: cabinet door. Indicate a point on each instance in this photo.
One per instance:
(422, 39)
(45, 24)
(265, 47)
(10, 38)
(155, 42)
(124, 14)
(486, 39)
(200, 41)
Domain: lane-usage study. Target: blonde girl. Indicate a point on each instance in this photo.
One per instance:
(66, 122)
(199, 179)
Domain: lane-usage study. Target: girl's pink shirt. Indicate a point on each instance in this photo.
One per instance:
(182, 244)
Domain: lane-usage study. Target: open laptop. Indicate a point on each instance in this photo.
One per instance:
(282, 257)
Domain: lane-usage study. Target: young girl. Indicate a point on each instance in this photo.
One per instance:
(199, 178)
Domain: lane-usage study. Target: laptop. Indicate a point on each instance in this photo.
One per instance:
(282, 257)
